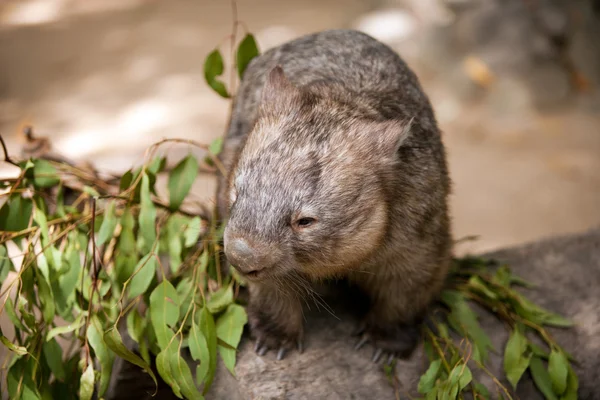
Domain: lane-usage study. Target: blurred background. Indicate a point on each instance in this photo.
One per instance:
(515, 85)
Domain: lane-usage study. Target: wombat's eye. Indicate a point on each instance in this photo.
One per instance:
(304, 222)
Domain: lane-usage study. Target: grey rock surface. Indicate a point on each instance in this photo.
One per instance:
(565, 270)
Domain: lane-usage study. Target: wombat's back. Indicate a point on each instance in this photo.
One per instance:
(368, 75)
(368, 70)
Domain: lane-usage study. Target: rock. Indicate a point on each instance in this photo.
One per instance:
(565, 270)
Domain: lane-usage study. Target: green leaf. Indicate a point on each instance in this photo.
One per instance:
(203, 262)
(516, 357)
(126, 181)
(12, 315)
(538, 351)
(26, 316)
(113, 340)
(164, 312)
(108, 224)
(537, 314)
(192, 232)
(91, 191)
(19, 381)
(61, 330)
(47, 299)
(184, 377)
(502, 276)
(207, 327)
(453, 392)
(230, 324)
(42, 264)
(185, 289)
(515, 280)
(444, 391)
(181, 180)
(216, 146)
(105, 357)
(5, 264)
(199, 351)
(443, 330)
(220, 299)
(541, 378)
(556, 320)
(15, 213)
(127, 238)
(53, 357)
(427, 380)
(558, 369)
(432, 395)
(461, 375)
(19, 350)
(135, 325)
(482, 391)
(229, 329)
(44, 174)
(572, 386)
(157, 165)
(69, 280)
(147, 216)
(175, 226)
(144, 272)
(125, 266)
(86, 385)
(246, 51)
(213, 67)
(476, 283)
(163, 365)
(462, 316)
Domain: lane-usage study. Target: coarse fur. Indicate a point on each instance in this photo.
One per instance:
(336, 169)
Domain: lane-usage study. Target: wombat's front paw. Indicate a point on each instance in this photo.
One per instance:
(273, 335)
(395, 341)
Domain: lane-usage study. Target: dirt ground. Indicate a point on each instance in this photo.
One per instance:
(104, 79)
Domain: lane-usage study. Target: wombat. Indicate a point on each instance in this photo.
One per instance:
(336, 169)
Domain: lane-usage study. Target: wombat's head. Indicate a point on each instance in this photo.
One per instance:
(308, 192)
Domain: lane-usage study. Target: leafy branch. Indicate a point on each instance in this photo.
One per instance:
(476, 280)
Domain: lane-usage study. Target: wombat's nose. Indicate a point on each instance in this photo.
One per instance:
(244, 257)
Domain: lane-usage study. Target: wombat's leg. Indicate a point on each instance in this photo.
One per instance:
(394, 319)
(275, 317)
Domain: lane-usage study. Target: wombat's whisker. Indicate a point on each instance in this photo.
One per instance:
(318, 300)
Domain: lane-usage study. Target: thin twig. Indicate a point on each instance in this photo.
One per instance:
(233, 39)
(94, 283)
(6, 156)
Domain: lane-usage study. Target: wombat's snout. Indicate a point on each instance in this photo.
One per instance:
(248, 258)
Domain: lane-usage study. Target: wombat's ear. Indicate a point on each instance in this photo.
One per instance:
(391, 135)
(278, 93)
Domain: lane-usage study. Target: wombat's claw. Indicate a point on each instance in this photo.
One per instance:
(377, 355)
(391, 358)
(379, 352)
(280, 354)
(300, 346)
(361, 343)
(260, 349)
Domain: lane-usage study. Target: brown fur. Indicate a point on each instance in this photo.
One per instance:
(335, 127)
